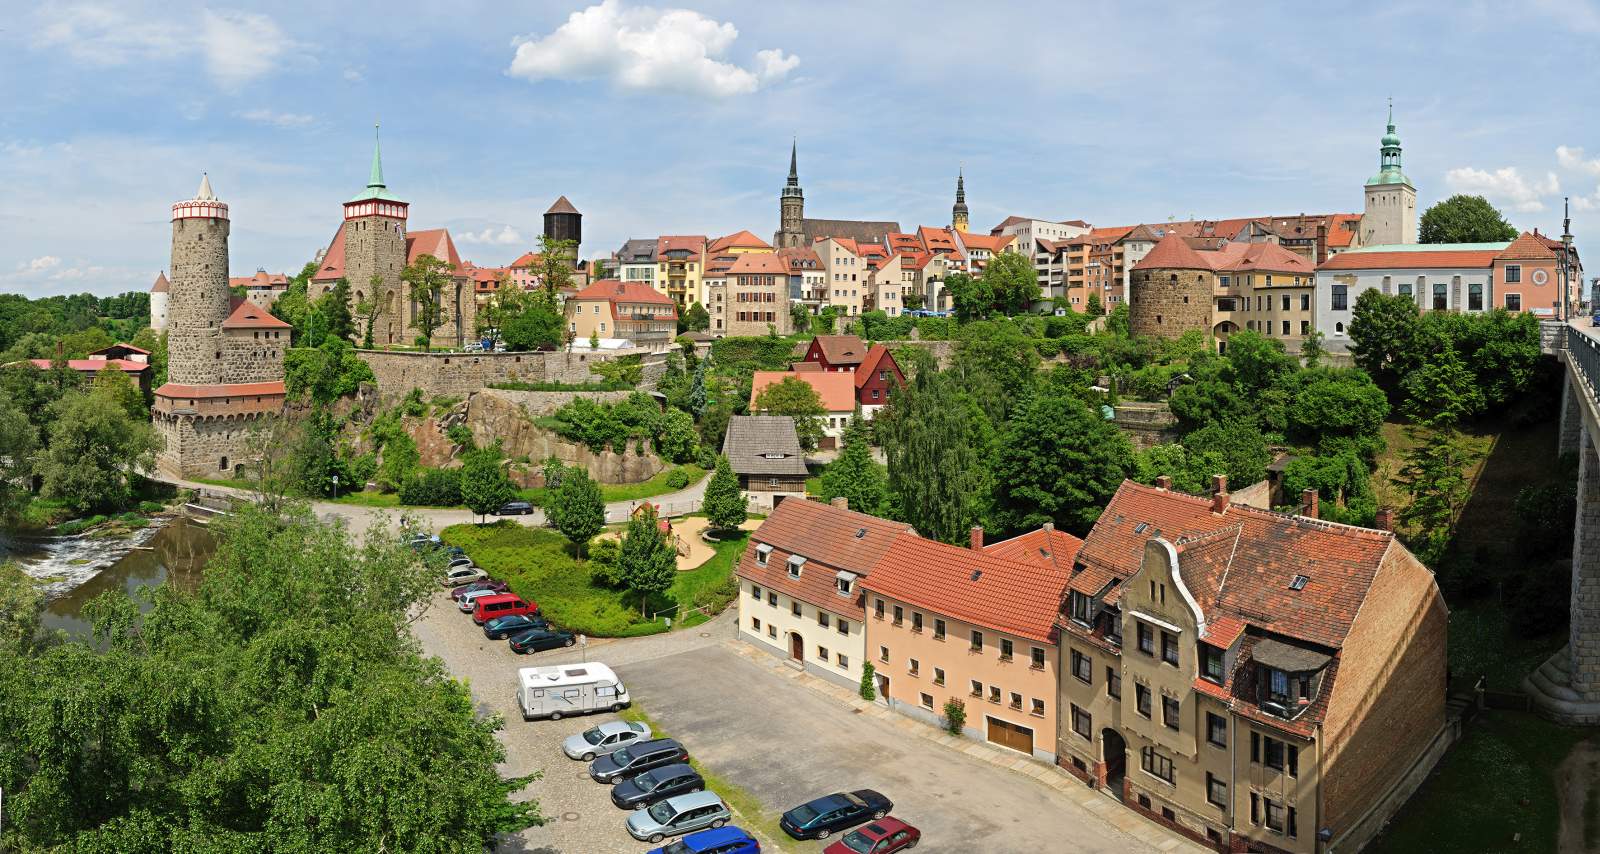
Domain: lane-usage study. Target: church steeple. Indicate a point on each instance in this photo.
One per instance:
(1389, 156)
(958, 211)
(376, 188)
(791, 207)
(792, 186)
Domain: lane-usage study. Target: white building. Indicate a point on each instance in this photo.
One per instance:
(158, 303)
(1442, 277)
(1028, 233)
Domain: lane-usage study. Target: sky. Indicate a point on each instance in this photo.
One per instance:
(678, 119)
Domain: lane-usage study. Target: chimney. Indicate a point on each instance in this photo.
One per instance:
(1164, 482)
(841, 502)
(1308, 503)
(1383, 520)
(1219, 493)
(977, 538)
(1049, 526)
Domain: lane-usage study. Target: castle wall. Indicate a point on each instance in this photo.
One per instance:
(460, 374)
(1167, 303)
(199, 446)
(253, 355)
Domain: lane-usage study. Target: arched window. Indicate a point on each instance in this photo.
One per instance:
(1338, 328)
(223, 464)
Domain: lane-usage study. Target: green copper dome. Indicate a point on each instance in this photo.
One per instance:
(1389, 158)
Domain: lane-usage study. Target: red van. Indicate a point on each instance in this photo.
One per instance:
(501, 605)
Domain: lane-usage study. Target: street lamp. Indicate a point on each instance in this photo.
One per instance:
(335, 487)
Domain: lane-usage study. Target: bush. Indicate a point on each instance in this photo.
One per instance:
(955, 715)
(433, 488)
(678, 478)
(716, 597)
(869, 686)
(460, 435)
(413, 404)
(151, 507)
(604, 554)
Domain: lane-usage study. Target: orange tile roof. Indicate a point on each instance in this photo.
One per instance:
(936, 239)
(1527, 247)
(1265, 257)
(1416, 259)
(175, 390)
(836, 389)
(759, 262)
(1041, 546)
(977, 587)
(615, 291)
(991, 242)
(1172, 253)
(738, 240)
(161, 286)
(527, 259)
(695, 243)
(251, 316)
(831, 539)
(90, 366)
(871, 365)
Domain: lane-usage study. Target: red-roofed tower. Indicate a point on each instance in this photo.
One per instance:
(198, 288)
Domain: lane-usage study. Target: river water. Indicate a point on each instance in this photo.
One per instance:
(77, 569)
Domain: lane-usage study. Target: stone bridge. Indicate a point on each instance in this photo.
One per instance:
(1567, 686)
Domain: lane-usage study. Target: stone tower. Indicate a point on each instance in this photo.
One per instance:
(792, 208)
(375, 245)
(1171, 291)
(958, 212)
(158, 303)
(197, 291)
(1391, 213)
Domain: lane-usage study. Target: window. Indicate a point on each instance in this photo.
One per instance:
(1305, 302)
(1016, 701)
(1141, 699)
(755, 592)
(899, 615)
(1082, 722)
(994, 693)
(1169, 648)
(772, 630)
(977, 688)
(1285, 300)
(1038, 658)
(1441, 299)
(1305, 327)
(1513, 302)
(755, 623)
(1268, 751)
(1157, 765)
(844, 661)
(1286, 327)
(877, 609)
(1340, 294)
(1216, 791)
(916, 622)
(1475, 296)
(1081, 667)
(794, 607)
(1169, 712)
(913, 666)
(822, 653)
(977, 641)
(927, 701)
(1405, 289)
(1113, 683)
(1216, 729)
(1513, 273)
(843, 626)
(883, 654)
(1147, 640)
(1211, 663)
(1274, 815)
(762, 551)
(938, 676)
(1081, 607)
(772, 599)
(1006, 649)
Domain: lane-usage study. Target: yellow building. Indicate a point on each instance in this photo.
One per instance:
(680, 267)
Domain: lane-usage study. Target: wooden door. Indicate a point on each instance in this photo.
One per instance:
(1014, 736)
(797, 647)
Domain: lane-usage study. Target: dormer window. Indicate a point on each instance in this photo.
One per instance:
(1211, 663)
(1081, 607)
(795, 564)
(844, 582)
(762, 552)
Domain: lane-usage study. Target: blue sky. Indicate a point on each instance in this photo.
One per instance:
(677, 119)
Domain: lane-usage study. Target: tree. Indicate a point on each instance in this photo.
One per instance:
(531, 322)
(95, 450)
(427, 278)
(1311, 349)
(648, 563)
(19, 440)
(1094, 307)
(21, 605)
(998, 363)
(696, 318)
(970, 297)
(577, 507)
(1465, 219)
(1233, 448)
(1255, 362)
(795, 398)
(1383, 336)
(293, 306)
(938, 441)
(484, 484)
(697, 391)
(33, 390)
(594, 340)
(869, 686)
(1434, 477)
(367, 312)
(334, 306)
(314, 457)
(855, 476)
(1013, 281)
(1442, 390)
(116, 388)
(676, 438)
(325, 373)
(1058, 461)
(725, 505)
(800, 317)
(553, 267)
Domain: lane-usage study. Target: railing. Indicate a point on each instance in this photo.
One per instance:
(1584, 352)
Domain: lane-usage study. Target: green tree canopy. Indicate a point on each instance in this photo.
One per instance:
(696, 318)
(427, 277)
(1233, 448)
(939, 443)
(1013, 281)
(1383, 336)
(1464, 219)
(724, 503)
(19, 439)
(95, 450)
(855, 476)
(648, 563)
(325, 373)
(1058, 461)
(577, 507)
(484, 484)
(334, 306)
(794, 397)
(971, 298)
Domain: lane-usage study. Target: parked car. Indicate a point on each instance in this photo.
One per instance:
(679, 815)
(819, 818)
(420, 541)
(604, 738)
(469, 601)
(458, 562)
(486, 584)
(455, 551)
(723, 840)
(536, 640)
(1595, 320)
(883, 836)
(642, 790)
(501, 628)
(501, 605)
(463, 575)
(634, 758)
(514, 508)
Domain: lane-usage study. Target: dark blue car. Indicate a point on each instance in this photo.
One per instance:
(502, 627)
(722, 840)
(840, 811)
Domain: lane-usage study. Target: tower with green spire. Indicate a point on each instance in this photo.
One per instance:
(374, 238)
(1391, 212)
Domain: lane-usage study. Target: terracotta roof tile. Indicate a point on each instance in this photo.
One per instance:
(977, 587)
(831, 539)
(1172, 253)
(93, 365)
(1527, 248)
(1042, 546)
(615, 291)
(836, 389)
(251, 316)
(175, 390)
(870, 365)
(738, 240)
(1415, 259)
(161, 286)
(841, 349)
(759, 262)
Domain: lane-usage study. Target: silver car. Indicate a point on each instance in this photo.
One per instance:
(463, 575)
(681, 814)
(603, 739)
(469, 600)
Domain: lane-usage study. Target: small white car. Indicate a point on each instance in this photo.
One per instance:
(463, 575)
(605, 738)
(469, 600)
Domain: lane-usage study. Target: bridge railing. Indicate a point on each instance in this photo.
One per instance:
(1583, 350)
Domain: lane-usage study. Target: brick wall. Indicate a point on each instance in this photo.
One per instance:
(1168, 303)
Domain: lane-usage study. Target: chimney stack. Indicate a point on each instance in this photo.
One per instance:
(1164, 482)
(1308, 503)
(1049, 526)
(977, 538)
(1383, 520)
(841, 502)
(1219, 494)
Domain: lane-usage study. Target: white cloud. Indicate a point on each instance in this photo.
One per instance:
(237, 47)
(1572, 158)
(101, 35)
(355, 75)
(241, 46)
(282, 120)
(644, 49)
(1505, 185)
(39, 265)
(506, 236)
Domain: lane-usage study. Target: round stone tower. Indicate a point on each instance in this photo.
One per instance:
(197, 302)
(1171, 291)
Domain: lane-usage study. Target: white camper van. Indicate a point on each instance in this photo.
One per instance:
(560, 690)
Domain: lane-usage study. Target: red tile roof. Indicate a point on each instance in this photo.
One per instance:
(769, 263)
(1264, 257)
(90, 366)
(738, 240)
(527, 259)
(161, 286)
(836, 389)
(871, 365)
(1527, 247)
(977, 587)
(840, 349)
(831, 539)
(1040, 546)
(1416, 259)
(175, 390)
(695, 243)
(936, 239)
(261, 279)
(1172, 253)
(251, 316)
(1340, 236)
(562, 206)
(615, 291)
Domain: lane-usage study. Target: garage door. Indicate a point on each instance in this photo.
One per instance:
(1014, 736)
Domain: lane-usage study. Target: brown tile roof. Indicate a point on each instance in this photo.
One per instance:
(1527, 247)
(1172, 253)
(175, 390)
(161, 286)
(841, 349)
(251, 316)
(831, 539)
(1040, 546)
(1262, 257)
(836, 389)
(695, 243)
(738, 240)
(562, 206)
(759, 262)
(977, 587)
(90, 366)
(763, 445)
(1414, 259)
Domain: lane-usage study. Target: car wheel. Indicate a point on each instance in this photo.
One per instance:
(555, 716)
(880, 814)
(718, 823)
(823, 834)
(912, 844)
(569, 642)
(616, 707)
(588, 757)
(656, 837)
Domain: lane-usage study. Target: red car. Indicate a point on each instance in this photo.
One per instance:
(494, 605)
(494, 586)
(877, 837)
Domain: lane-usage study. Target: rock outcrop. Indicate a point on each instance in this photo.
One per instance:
(492, 415)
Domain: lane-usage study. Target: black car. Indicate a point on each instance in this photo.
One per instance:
(634, 758)
(502, 627)
(642, 790)
(534, 640)
(839, 811)
(514, 508)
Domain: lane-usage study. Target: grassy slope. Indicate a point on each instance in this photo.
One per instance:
(609, 492)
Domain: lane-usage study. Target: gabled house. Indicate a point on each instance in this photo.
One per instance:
(764, 453)
(874, 368)
(836, 391)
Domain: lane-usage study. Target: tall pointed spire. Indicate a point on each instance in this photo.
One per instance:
(204, 193)
(794, 172)
(958, 211)
(961, 186)
(375, 181)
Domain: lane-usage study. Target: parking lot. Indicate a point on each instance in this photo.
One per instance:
(780, 741)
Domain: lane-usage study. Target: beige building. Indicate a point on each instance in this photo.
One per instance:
(1253, 680)
(757, 296)
(845, 273)
(1262, 287)
(630, 311)
(680, 265)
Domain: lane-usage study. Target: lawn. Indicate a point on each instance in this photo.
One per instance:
(540, 567)
(612, 492)
(1496, 783)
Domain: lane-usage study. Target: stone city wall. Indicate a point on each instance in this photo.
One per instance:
(205, 446)
(461, 374)
(1146, 424)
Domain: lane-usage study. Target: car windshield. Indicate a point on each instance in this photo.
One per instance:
(593, 735)
(804, 813)
(677, 847)
(661, 812)
(857, 841)
(645, 782)
(622, 757)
